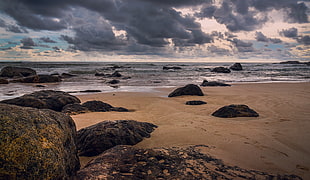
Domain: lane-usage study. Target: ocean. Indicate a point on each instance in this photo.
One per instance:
(140, 77)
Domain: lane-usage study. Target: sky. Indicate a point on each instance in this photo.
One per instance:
(155, 30)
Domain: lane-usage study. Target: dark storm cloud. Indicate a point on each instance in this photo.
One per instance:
(291, 33)
(147, 23)
(240, 15)
(304, 40)
(28, 43)
(47, 40)
(259, 36)
(243, 46)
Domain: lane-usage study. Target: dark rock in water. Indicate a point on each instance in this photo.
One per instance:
(171, 67)
(195, 102)
(232, 111)
(38, 79)
(114, 81)
(291, 62)
(100, 74)
(97, 106)
(3, 81)
(221, 70)
(213, 83)
(10, 72)
(90, 91)
(46, 99)
(190, 89)
(67, 75)
(236, 67)
(119, 109)
(307, 63)
(48, 79)
(116, 74)
(127, 162)
(36, 144)
(97, 138)
(73, 109)
(41, 86)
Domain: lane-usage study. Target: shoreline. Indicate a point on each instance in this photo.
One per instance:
(278, 141)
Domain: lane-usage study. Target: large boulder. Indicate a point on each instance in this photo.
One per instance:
(236, 67)
(97, 138)
(213, 83)
(233, 110)
(10, 71)
(190, 89)
(127, 162)
(220, 70)
(38, 79)
(36, 144)
(46, 99)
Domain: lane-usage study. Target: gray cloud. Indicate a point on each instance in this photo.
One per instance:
(259, 36)
(149, 24)
(291, 33)
(304, 40)
(28, 43)
(47, 40)
(240, 15)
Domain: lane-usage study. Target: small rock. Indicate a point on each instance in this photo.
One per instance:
(213, 83)
(67, 75)
(116, 74)
(119, 109)
(171, 67)
(236, 67)
(3, 81)
(221, 70)
(114, 81)
(97, 106)
(74, 109)
(90, 91)
(190, 89)
(195, 102)
(232, 111)
(97, 138)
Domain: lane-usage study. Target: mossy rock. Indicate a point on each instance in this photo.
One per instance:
(36, 144)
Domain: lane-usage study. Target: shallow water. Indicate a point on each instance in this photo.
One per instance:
(146, 76)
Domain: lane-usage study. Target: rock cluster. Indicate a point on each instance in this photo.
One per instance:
(36, 144)
(91, 106)
(127, 162)
(97, 138)
(190, 89)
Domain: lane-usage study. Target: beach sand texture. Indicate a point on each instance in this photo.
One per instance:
(278, 141)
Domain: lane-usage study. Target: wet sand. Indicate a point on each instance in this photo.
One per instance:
(278, 141)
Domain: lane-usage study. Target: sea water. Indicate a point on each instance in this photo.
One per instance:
(141, 77)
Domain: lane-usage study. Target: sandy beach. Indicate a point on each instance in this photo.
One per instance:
(278, 141)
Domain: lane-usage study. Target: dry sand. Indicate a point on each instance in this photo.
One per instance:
(278, 141)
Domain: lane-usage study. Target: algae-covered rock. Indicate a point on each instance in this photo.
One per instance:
(127, 162)
(97, 138)
(36, 144)
(46, 99)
